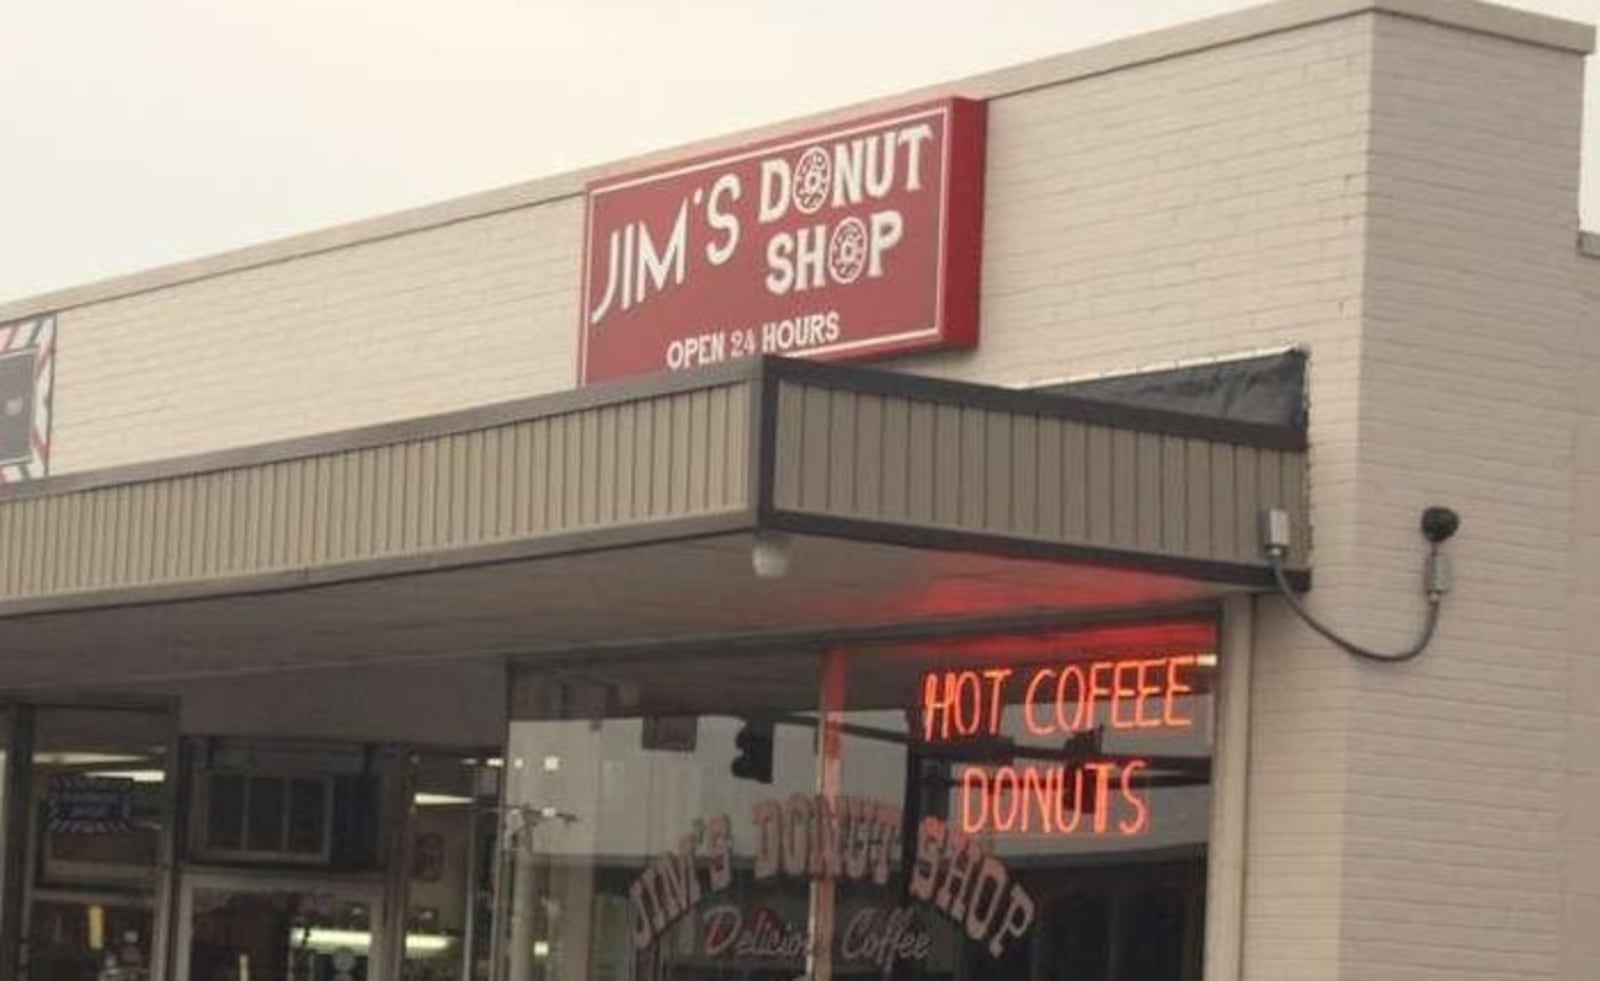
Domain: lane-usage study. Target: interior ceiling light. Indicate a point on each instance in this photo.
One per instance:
(325, 938)
(51, 758)
(137, 776)
(440, 800)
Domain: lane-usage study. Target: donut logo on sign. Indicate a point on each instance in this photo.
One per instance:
(847, 251)
(812, 179)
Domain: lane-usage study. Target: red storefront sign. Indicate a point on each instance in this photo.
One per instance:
(855, 241)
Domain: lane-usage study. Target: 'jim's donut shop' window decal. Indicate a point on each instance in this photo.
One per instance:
(27, 365)
(999, 807)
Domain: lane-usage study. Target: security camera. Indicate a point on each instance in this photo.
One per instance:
(1439, 523)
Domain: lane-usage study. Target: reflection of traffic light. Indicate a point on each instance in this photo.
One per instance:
(1080, 749)
(1082, 745)
(754, 761)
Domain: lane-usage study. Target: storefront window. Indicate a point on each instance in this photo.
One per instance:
(1005, 808)
(449, 904)
(101, 821)
(7, 722)
(243, 930)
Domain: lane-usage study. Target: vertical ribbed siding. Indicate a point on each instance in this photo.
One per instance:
(970, 468)
(894, 458)
(670, 456)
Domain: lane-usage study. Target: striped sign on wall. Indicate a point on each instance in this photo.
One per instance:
(84, 805)
(27, 369)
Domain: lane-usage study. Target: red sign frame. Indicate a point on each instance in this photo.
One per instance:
(858, 240)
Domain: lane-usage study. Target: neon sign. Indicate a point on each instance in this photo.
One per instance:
(1057, 800)
(1071, 790)
(1138, 694)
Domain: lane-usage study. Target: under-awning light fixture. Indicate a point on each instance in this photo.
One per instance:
(770, 554)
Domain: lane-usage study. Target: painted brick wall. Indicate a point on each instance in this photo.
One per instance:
(1580, 948)
(1454, 856)
(465, 314)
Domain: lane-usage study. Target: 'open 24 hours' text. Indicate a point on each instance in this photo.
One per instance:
(787, 336)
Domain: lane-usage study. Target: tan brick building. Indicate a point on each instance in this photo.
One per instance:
(345, 635)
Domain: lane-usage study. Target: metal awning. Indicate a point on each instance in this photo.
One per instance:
(625, 514)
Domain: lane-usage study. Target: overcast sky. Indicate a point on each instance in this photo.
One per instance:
(140, 132)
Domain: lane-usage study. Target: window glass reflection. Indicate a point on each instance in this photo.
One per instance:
(257, 933)
(449, 888)
(629, 835)
(1012, 807)
(101, 815)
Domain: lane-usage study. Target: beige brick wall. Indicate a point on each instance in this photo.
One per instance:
(1454, 858)
(1580, 949)
(464, 314)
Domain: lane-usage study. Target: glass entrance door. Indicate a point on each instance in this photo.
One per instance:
(241, 927)
(450, 866)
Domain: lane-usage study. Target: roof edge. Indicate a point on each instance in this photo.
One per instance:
(1156, 45)
(1543, 30)
(1085, 409)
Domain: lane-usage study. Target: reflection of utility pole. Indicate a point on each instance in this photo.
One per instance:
(819, 959)
(926, 794)
(910, 819)
(521, 820)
